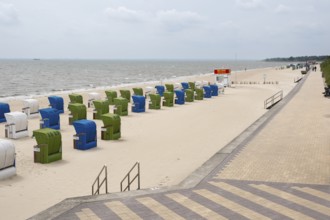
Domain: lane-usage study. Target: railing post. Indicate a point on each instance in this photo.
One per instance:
(139, 176)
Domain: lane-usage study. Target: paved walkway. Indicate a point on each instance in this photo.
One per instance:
(282, 171)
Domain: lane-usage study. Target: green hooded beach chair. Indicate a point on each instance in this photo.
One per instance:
(199, 94)
(49, 145)
(154, 102)
(192, 86)
(189, 95)
(77, 112)
(76, 98)
(126, 94)
(121, 106)
(111, 129)
(169, 87)
(168, 99)
(101, 107)
(138, 91)
(111, 95)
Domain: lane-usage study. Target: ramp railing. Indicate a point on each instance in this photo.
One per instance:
(273, 100)
(131, 179)
(99, 182)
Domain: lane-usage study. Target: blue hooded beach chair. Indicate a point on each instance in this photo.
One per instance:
(57, 102)
(139, 103)
(185, 85)
(85, 137)
(207, 91)
(4, 108)
(160, 90)
(214, 90)
(180, 97)
(50, 118)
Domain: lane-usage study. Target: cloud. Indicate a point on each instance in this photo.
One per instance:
(126, 15)
(174, 20)
(8, 14)
(249, 4)
(282, 9)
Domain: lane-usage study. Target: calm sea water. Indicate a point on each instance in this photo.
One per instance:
(38, 77)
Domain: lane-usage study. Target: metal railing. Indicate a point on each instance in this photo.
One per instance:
(131, 180)
(271, 101)
(100, 183)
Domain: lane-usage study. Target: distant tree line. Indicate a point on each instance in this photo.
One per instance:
(298, 59)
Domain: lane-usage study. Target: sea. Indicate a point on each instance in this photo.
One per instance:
(37, 77)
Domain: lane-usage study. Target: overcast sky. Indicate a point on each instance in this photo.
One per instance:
(142, 29)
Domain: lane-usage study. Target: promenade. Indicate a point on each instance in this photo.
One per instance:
(278, 168)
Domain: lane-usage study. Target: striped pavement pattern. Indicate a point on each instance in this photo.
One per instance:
(217, 199)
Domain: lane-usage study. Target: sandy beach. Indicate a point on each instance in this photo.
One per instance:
(169, 143)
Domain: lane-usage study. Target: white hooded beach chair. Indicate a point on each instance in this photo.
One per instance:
(31, 108)
(92, 96)
(7, 159)
(17, 125)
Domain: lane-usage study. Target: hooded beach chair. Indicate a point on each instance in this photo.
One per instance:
(168, 99)
(76, 98)
(139, 103)
(86, 136)
(138, 91)
(111, 129)
(154, 101)
(192, 85)
(121, 106)
(199, 94)
(207, 91)
(17, 125)
(92, 96)
(101, 107)
(50, 118)
(169, 87)
(7, 159)
(78, 111)
(185, 85)
(31, 108)
(214, 90)
(57, 103)
(160, 90)
(4, 108)
(189, 95)
(125, 94)
(49, 145)
(111, 95)
(179, 97)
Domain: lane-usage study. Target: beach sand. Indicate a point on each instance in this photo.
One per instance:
(169, 143)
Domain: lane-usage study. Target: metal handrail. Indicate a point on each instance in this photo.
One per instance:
(128, 177)
(272, 100)
(97, 180)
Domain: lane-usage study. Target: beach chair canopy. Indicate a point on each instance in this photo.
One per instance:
(121, 105)
(7, 154)
(4, 108)
(49, 143)
(139, 103)
(168, 99)
(76, 98)
(180, 97)
(154, 102)
(50, 117)
(169, 87)
(138, 91)
(86, 133)
(189, 95)
(111, 129)
(57, 103)
(7, 159)
(101, 107)
(207, 91)
(214, 90)
(125, 94)
(18, 120)
(111, 95)
(78, 111)
(185, 85)
(160, 89)
(192, 85)
(32, 105)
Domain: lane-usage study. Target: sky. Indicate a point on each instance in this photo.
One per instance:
(163, 29)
